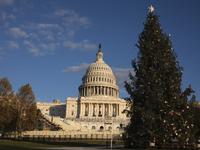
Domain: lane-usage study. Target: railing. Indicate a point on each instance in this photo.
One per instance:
(64, 122)
(60, 137)
(96, 120)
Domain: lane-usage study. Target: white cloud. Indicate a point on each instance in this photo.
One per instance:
(63, 12)
(6, 2)
(49, 37)
(45, 32)
(71, 18)
(17, 32)
(75, 69)
(33, 49)
(83, 45)
(11, 16)
(122, 74)
(42, 49)
(42, 25)
(13, 45)
(33, 35)
(122, 91)
(49, 47)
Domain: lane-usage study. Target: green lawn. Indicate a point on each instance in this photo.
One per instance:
(25, 145)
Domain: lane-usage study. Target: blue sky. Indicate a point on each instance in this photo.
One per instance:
(50, 44)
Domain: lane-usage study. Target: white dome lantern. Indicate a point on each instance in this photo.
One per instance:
(99, 79)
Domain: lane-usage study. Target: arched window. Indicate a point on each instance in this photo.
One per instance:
(93, 127)
(109, 128)
(101, 127)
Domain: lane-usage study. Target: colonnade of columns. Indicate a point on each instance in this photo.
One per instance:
(98, 90)
(99, 109)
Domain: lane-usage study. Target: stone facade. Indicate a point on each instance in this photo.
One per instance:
(98, 99)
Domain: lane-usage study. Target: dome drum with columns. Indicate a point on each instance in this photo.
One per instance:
(99, 80)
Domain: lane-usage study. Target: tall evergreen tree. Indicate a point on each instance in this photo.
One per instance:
(159, 111)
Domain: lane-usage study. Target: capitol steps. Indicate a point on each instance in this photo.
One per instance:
(64, 124)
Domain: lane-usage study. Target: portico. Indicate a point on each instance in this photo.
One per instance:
(99, 110)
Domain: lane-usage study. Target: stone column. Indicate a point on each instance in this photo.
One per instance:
(97, 110)
(89, 113)
(80, 109)
(83, 109)
(103, 110)
(109, 110)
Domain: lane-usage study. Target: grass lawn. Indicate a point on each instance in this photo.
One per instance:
(27, 145)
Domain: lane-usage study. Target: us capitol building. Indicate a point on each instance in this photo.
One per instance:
(98, 100)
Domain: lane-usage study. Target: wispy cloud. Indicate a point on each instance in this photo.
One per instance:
(35, 36)
(49, 47)
(42, 25)
(45, 32)
(84, 45)
(41, 49)
(6, 2)
(33, 49)
(17, 32)
(12, 16)
(13, 45)
(71, 18)
(122, 74)
(63, 12)
(3, 15)
(49, 37)
(75, 69)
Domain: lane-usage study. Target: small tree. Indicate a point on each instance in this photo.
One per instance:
(27, 108)
(159, 110)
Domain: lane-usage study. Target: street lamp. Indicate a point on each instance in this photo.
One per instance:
(108, 120)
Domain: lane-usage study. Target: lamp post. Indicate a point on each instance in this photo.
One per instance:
(108, 120)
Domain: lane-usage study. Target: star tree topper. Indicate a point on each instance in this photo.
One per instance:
(151, 9)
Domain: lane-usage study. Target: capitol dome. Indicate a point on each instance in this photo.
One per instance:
(99, 79)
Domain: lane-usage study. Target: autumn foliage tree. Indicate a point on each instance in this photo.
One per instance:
(27, 108)
(8, 106)
(18, 112)
(160, 111)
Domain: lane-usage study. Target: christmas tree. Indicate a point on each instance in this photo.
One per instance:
(160, 111)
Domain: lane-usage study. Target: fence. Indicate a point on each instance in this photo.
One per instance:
(60, 137)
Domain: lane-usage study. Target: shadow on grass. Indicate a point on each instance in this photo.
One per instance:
(72, 143)
(23, 145)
